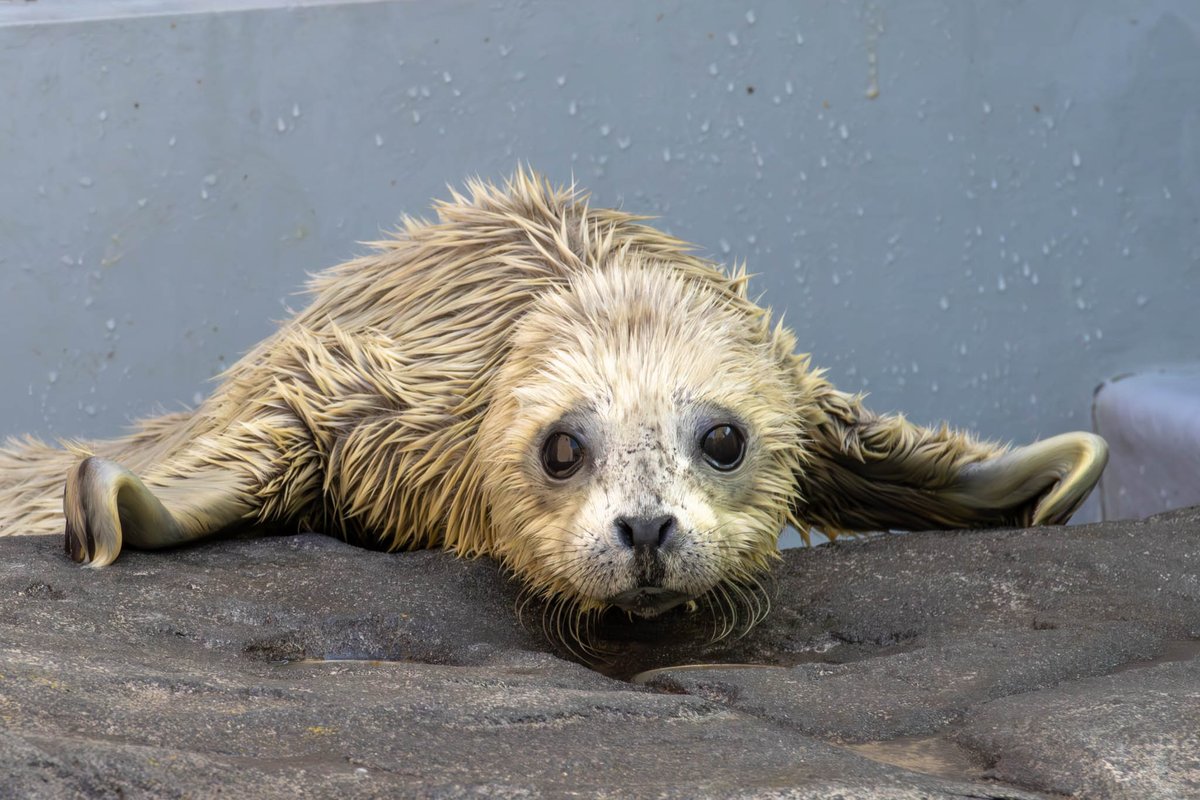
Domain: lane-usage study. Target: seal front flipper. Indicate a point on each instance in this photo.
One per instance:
(1070, 464)
(106, 506)
(868, 472)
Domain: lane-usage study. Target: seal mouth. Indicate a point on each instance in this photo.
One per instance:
(647, 601)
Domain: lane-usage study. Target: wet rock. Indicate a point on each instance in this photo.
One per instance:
(1130, 735)
(976, 664)
(918, 691)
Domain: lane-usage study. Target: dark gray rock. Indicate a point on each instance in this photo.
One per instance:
(930, 665)
(1135, 734)
(917, 691)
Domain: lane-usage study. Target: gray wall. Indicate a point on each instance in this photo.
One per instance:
(974, 211)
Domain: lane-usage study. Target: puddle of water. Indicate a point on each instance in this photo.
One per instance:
(651, 674)
(1173, 651)
(499, 670)
(372, 662)
(929, 755)
(630, 666)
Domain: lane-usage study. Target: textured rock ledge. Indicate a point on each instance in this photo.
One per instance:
(979, 664)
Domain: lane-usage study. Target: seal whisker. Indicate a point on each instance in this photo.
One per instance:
(719, 598)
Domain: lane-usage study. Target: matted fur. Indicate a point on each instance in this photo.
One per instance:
(404, 408)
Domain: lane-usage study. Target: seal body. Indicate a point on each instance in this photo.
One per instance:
(561, 387)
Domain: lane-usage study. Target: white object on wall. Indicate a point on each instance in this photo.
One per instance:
(1152, 424)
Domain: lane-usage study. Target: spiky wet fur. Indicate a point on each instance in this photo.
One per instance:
(401, 409)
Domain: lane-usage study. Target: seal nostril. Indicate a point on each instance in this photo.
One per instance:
(665, 529)
(624, 532)
(648, 532)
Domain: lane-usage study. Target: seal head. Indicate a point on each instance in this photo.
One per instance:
(639, 446)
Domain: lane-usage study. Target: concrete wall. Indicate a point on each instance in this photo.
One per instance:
(974, 211)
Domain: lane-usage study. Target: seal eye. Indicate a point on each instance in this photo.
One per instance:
(561, 455)
(723, 447)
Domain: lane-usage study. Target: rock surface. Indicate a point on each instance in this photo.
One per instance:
(1005, 664)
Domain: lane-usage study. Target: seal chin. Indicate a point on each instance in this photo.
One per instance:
(647, 601)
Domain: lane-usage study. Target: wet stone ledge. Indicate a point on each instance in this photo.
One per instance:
(1006, 664)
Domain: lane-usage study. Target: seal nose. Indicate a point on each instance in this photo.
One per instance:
(648, 532)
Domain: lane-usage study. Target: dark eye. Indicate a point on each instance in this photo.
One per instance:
(723, 447)
(561, 455)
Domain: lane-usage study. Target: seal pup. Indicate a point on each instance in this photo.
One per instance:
(557, 386)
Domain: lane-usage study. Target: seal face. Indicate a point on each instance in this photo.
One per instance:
(557, 386)
(670, 410)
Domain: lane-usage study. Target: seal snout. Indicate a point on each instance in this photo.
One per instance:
(646, 536)
(645, 531)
